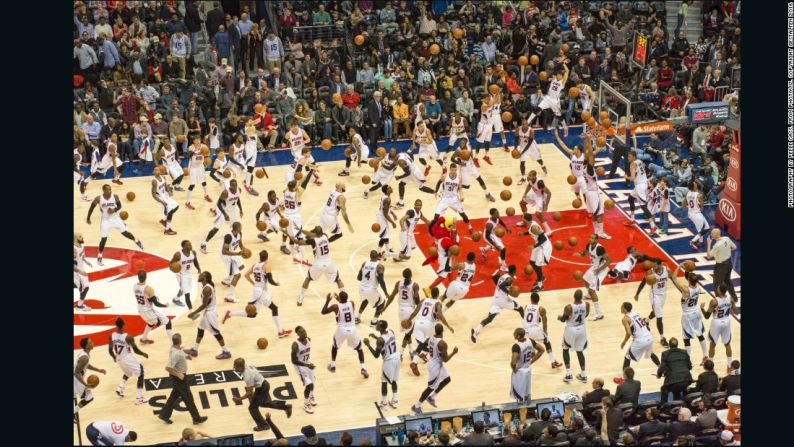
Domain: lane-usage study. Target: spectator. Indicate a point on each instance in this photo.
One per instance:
(321, 17)
(276, 79)
(92, 129)
(552, 435)
(683, 426)
(190, 434)
(707, 416)
(708, 380)
(610, 420)
(727, 438)
(180, 49)
(479, 436)
(86, 58)
(350, 98)
(310, 437)
(664, 78)
(629, 389)
(433, 111)
(733, 381)
(535, 429)
(652, 427)
(401, 115)
(274, 50)
(341, 117)
(323, 120)
(595, 396)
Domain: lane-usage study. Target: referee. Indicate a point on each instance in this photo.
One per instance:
(177, 368)
(257, 390)
(720, 249)
(619, 150)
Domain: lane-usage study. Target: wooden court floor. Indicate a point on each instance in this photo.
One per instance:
(480, 373)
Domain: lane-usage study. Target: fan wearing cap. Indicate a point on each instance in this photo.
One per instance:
(310, 437)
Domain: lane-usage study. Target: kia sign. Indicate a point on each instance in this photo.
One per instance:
(728, 210)
(732, 184)
(729, 216)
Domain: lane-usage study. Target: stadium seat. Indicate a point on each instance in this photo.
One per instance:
(653, 440)
(613, 5)
(587, 46)
(589, 412)
(642, 8)
(628, 410)
(691, 398)
(669, 410)
(737, 392)
(639, 415)
(718, 400)
(593, 7)
(623, 4)
(659, 7)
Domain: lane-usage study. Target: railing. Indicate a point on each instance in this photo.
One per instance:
(326, 33)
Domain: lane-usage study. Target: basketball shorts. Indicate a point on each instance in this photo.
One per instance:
(364, 152)
(428, 151)
(533, 152)
(592, 201)
(541, 255)
(347, 335)
(594, 280)
(174, 170)
(436, 373)
(640, 192)
(534, 199)
(295, 222)
(457, 290)
(469, 172)
(699, 220)
(640, 348)
(404, 313)
(170, 205)
(443, 264)
(720, 330)
(106, 164)
(520, 384)
(209, 322)
(423, 329)
(371, 295)
(250, 156)
(77, 178)
(407, 242)
(237, 169)
(579, 186)
(391, 370)
(233, 264)
(548, 103)
(496, 122)
(383, 176)
(234, 216)
(197, 175)
(692, 325)
(416, 176)
(330, 224)
(272, 222)
(260, 298)
(305, 373)
(535, 332)
(657, 304)
(384, 225)
(296, 151)
(484, 132)
(185, 281)
(112, 222)
(80, 282)
(82, 392)
(323, 268)
(453, 138)
(152, 317)
(449, 202)
(495, 241)
(498, 304)
(289, 175)
(574, 337)
(129, 366)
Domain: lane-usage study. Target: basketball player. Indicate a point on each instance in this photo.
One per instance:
(298, 139)
(438, 376)
(424, 315)
(358, 151)
(231, 211)
(231, 255)
(691, 320)
(77, 176)
(370, 275)
(162, 192)
(145, 297)
(405, 161)
(445, 236)
(642, 344)
(303, 165)
(386, 347)
(301, 351)
(451, 195)
(551, 101)
(292, 212)
(186, 257)
(196, 171)
(722, 307)
(423, 137)
(484, 134)
(638, 176)
(408, 290)
(457, 130)
(469, 171)
(693, 202)
(209, 317)
(492, 240)
(80, 277)
(623, 268)
(345, 329)
(384, 216)
(170, 163)
(541, 250)
(657, 295)
(594, 276)
(524, 353)
(495, 103)
(575, 335)
(271, 208)
(109, 205)
(323, 264)
(407, 226)
(501, 299)
(592, 196)
(586, 96)
(459, 288)
(249, 158)
(221, 164)
(385, 172)
(237, 155)
(81, 389)
(529, 149)
(538, 195)
(534, 317)
(329, 218)
(262, 275)
(578, 164)
(121, 346)
(101, 165)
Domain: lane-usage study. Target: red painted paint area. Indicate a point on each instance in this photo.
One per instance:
(559, 272)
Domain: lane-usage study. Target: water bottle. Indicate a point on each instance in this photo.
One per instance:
(400, 436)
(394, 434)
(435, 428)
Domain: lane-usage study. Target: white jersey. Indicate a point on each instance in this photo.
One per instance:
(525, 138)
(389, 349)
(231, 199)
(197, 160)
(555, 88)
(186, 261)
(450, 187)
(144, 305)
(427, 310)
(485, 119)
(211, 306)
(639, 326)
(79, 257)
(382, 209)
(387, 165)
(161, 193)
(626, 265)
(578, 313)
(272, 209)
(689, 304)
(170, 155)
(120, 347)
(409, 163)
(369, 275)
(77, 360)
(332, 205)
(457, 128)
(496, 107)
(577, 165)
(238, 153)
(525, 353)
(357, 141)
(723, 310)
(234, 245)
(296, 142)
(291, 204)
(412, 221)
(406, 294)
(260, 279)
(432, 349)
(590, 178)
(498, 292)
(422, 136)
(639, 177)
(659, 289)
(466, 274)
(304, 350)
(584, 97)
(322, 249)
(540, 236)
(344, 317)
(532, 315)
(693, 204)
(596, 260)
(106, 206)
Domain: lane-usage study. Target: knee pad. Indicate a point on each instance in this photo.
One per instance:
(274, 309)
(200, 333)
(218, 337)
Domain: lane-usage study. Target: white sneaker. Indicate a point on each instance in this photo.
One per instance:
(605, 236)
(203, 247)
(366, 194)
(141, 400)
(120, 392)
(596, 317)
(300, 300)
(308, 408)
(393, 403)
(312, 400)
(231, 299)
(99, 261)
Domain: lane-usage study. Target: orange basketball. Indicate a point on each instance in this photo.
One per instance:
(600, 170)
(507, 117)
(457, 33)
(207, 162)
(507, 181)
(534, 59)
(558, 245)
(514, 291)
(130, 196)
(523, 60)
(601, 141)
(375, 227)
(326, 144)
(139, 265)
(298, 176)
(227, 173)
(348, 152)
(572, 241)
(591, 122)
(510, 211)
(92, 380)
(500, 231)
(124, 214)
(373, 163)
(432, 251)
(246, 253)
(515, 153)
(556, 216)
(336, 98)
(175, 267)
(602, 115)
(260, 172)
(606, 122)
(647, 265)
(261, 225)
(359, 39)
(650, 280)
(571, 179)
(454, 250)
(506, 195)
(577, 203)
(180, 138)
(586, 116)
(577, 275)
(283, 222)
(250, 310)
(494, 89)
(573, 92)
(528, 270)
(543, 75)
(406, 324)
(366, 179)
(465, 155)
(205, 151)
(381, 152)
(262, 342)
(259, 108)
(435, 49)
(476, 236)
(688, 266)
(609, 204)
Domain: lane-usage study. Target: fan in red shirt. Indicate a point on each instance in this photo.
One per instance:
(671, 101)
(445, 235)
(350, 98)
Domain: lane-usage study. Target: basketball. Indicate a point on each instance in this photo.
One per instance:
(510, 211)
(130, 196)
(457, 33)
(586, 116)
(606, 122)
(298, 176)
(572, 241)
(600, 170)
(565, 47)
(366, 180)
(577, 275)
(601, 141)
(432, 251)
(514, 291)
(373, 163)
(558, 245)
(250, 310)
(506, 195)
(650, 280)
(528, 270)
(507, 117)
(556, 216)
(688, 266)
(406, 324)
(543, 75)
(381, 152)
(577, 203)
(571, 179)
(283, 222)
(573, 92)
(260, 172)
(261, 225)
(647, 265)
(246, 253)
(139, 265)
(180, 138)
(227, 173)
(465, 155)
(494, 89)
(476, 236)
(92, 381)
(185, 172)
(507, 180)
(500, 231)
(205, 151)
(261, 343)
(454, 250)
(359, 40)
(591, 121)
(207, 162)
(175, 267)
(375, 227)
(124, 215)
(435, 49)
(534, 59)
(259, 108)
(515, 153)
(523, 60)
(326, 144)
(609, 204)
(602, 115)
(336, 98)
(348, 152)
